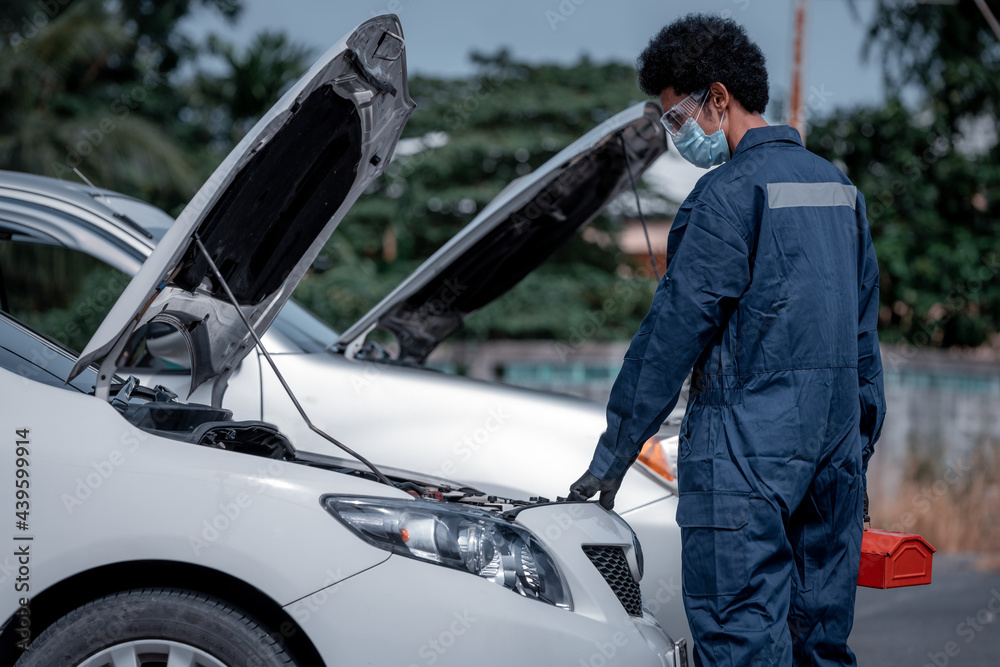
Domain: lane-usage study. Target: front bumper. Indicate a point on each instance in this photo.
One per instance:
(661, 586)
(412, 614)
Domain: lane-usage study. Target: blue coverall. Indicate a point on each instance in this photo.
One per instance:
(771, 295)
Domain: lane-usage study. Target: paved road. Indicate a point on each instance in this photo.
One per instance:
(954, 622)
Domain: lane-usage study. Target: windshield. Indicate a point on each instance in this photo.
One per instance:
(35, 357)
(303, 328)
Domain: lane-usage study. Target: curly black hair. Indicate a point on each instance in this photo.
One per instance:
(694, 52)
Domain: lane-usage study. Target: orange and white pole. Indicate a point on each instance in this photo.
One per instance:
(796, 100)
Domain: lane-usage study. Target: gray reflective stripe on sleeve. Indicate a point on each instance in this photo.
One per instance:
(785, 195)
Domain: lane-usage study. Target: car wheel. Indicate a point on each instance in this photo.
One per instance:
(156, 628)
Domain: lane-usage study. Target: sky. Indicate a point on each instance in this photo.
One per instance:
(440, 34)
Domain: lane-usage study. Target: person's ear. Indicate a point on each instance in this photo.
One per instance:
(718, 98)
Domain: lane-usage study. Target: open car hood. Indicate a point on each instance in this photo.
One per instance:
(266, 212)
(528, 221)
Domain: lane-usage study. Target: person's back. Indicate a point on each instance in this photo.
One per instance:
(771, 295)
(778, 384)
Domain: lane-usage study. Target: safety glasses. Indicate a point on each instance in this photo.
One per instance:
(675, 117)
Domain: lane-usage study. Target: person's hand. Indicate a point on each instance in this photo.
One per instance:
(588, 485)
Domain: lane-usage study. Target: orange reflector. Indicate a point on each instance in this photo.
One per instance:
(654, 458)
(405, 534)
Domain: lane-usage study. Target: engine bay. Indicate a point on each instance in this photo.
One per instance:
(156, 411)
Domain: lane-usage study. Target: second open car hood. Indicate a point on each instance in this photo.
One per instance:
(514, 233)
(266, 212)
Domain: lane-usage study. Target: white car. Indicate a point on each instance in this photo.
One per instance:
(145, 531)
(502, 440)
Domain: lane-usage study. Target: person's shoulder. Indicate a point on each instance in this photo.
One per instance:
(713, 202)
(722, 190)
(704, 189)
(823, 168)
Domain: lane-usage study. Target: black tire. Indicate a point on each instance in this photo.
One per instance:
(144, 621)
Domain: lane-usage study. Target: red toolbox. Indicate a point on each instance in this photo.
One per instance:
(890, 559)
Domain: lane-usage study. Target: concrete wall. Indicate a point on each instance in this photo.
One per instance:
(936, 471)
(942, 406)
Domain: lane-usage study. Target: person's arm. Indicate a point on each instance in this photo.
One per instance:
(708, 272)
(870, 390)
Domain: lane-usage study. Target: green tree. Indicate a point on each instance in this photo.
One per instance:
(87, 84)
(946, 53)
(928, 170)
(250, 82)
(936, 230)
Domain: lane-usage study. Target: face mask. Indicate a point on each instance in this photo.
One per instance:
(700, 149)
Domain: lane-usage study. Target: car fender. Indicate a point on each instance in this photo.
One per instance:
(114, 493)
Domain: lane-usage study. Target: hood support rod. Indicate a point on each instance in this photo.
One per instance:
(638, 206)
(274, 367)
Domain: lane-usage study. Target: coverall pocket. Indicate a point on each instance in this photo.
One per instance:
(714, 542)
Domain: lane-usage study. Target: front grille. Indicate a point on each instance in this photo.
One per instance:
(611, 563)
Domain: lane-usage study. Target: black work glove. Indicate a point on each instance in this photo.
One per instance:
(588, 485)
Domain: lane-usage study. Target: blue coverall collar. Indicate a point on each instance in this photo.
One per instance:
(763, 135)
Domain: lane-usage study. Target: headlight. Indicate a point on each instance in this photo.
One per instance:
(660, 456)
(460, 538)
